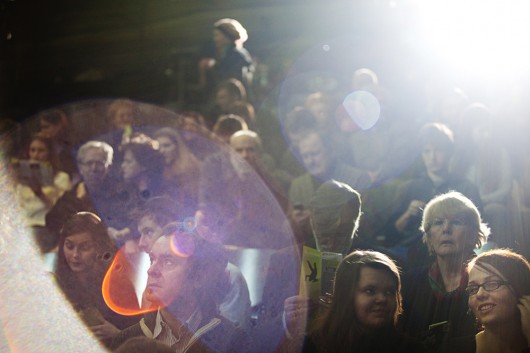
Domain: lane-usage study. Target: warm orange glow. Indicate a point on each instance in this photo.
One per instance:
(118, 290)
(182, 244)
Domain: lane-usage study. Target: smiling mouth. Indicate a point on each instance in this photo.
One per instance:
(484, 308)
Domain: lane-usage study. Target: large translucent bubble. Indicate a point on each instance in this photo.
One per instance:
(225, 203)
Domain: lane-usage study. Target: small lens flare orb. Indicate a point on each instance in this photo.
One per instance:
(363, 108)
(183, 244)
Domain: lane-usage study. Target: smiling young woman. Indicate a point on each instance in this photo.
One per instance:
(499, 296)
(365, 306)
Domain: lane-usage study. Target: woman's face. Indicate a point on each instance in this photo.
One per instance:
(38, 151)
(494, 307)
(449, 236)
(375, 298)
(80, 252)
(130, 168)
(168, 149)
(219, 39)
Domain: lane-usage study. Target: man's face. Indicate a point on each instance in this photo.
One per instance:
(149, 231)
(168, 274)
(246, 147)
(314, 155)
(92, 167)
(435, 159)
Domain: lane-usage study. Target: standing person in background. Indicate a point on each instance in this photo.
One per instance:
(499, 296)
(230, 59)
(434, 297)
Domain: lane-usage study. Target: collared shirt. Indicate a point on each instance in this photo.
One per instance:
(163, 333)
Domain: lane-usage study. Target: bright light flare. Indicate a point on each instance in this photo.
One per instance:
(183, 244)
(488, 37)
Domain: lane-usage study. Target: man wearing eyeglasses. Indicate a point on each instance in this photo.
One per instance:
(93, 193)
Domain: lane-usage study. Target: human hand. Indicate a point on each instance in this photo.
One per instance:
(524, 309)
(206, 63)
(300, 216)
(105, 330)
(415, 208)
(295, 310)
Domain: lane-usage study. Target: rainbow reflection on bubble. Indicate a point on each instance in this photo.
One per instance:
(182, 244)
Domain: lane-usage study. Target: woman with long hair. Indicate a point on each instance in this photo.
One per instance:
(84, 255)
(499, 296)
(364, 309)
(181, 166)
(38, 191)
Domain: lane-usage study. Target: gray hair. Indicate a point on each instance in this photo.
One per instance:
(100, 145)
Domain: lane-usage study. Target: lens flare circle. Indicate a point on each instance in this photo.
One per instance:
(363, 108)
(189, 224)
(182, 244)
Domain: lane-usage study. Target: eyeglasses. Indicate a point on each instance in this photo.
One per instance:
(489, 286)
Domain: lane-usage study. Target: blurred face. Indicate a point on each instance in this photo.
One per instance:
(494, 307)
(435, 159)
(149, 231)
(168, 149)
(245, 146)
(223, 99)
(123, 117)
(92, 167)
(49, 129)
(80, 252)
(219, 39)
(167, 275)
(375, 298)
(450, 236)
(130, 168)
(38, 151)
(314, 155)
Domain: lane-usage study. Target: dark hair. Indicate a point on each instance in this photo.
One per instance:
(438, 134)
(162, 209)
(206, 272)
(226, 125)
(82, 222)
(54, 117)
(299, 119)
(339, 330)
(145, 151)
(234, 87)
(513, 267)
(53, 158)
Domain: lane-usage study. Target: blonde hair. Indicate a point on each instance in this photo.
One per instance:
(451, 204)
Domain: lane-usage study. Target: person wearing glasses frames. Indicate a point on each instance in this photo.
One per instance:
(434, 297)
(499, 296)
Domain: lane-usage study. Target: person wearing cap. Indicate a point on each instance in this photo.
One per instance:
(186, 282)
(231, 59)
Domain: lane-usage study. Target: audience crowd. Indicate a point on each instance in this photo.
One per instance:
(410, 206)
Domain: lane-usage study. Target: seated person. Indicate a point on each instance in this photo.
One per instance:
(160, 211)
(499, 296)
(186, 283)
(38, 192)
(436, 149)
(85, 253)
(434, 299)
(364, 310)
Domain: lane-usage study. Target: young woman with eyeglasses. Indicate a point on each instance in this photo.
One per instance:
(499, 296)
